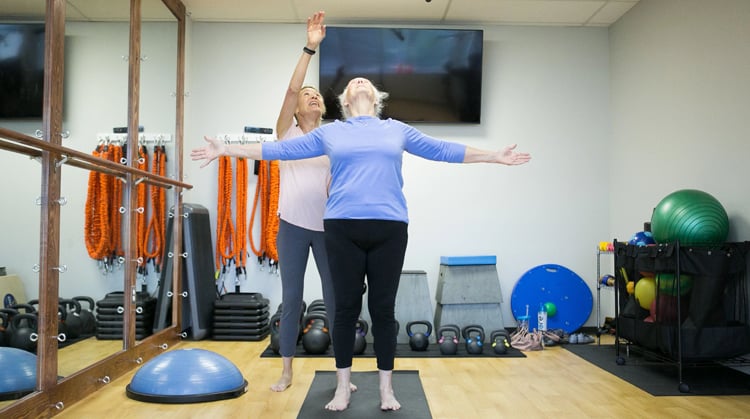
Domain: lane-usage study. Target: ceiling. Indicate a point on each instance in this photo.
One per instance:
(476, 12)
(517, 12)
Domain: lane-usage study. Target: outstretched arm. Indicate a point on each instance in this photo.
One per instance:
(505, 156)
(316, 31)
(216, 148)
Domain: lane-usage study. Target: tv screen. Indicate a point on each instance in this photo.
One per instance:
(431, 75)
(21, 70)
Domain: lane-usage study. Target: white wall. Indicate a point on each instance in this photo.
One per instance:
(544, 88)
(680, 108)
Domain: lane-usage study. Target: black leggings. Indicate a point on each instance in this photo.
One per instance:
(375, 249)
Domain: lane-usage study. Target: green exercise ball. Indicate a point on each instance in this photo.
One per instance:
(550, 308)
(667, 284)
(691, 216)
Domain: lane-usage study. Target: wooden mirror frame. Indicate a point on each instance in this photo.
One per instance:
(53, 395)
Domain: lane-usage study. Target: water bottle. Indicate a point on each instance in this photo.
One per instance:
(542, 318)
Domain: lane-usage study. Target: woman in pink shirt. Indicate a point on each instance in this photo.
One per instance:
(302, 201)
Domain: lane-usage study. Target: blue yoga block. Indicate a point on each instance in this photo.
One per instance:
(468, 260)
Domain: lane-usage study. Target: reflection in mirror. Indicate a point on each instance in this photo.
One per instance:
(90, 248)
(22, 53)
(95, 104)
(19, 246)
(95, 101)
(157, 116)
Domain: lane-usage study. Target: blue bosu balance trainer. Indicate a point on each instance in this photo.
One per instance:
(187, 376)
(18, 377)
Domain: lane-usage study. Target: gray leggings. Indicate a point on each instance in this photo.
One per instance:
(294, 244)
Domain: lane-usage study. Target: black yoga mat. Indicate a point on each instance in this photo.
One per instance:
(365, 402)
(404, 351)
(660, 378)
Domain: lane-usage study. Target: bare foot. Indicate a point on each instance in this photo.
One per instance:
(340, 399)
(286, 375)
(344, 389)
(284, 382)
(387, 398)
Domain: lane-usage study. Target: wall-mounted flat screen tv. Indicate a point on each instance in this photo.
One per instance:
(21, 70)
(431, 75)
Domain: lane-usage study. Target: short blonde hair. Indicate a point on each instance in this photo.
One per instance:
(380, 98)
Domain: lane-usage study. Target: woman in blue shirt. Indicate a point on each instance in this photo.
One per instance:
(366, 219)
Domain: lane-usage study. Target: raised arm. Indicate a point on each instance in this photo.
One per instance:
(316, 31)
(505, 156)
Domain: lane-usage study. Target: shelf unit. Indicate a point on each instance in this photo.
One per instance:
(700, 316)
(599, 286)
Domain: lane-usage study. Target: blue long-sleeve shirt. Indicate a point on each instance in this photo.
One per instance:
(366, 155)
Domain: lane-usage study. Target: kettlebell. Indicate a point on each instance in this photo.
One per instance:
(7, 328)
(473, 334)
(88, 320)
(62, 328)
(275, 338)
(500, 341)
(24, 332)
(73, 321)
(4, 322)
(448, 339)
(280, 308)
(315, 337)
(419, 341)
(360, 344)
(28, 307)
(316, 306)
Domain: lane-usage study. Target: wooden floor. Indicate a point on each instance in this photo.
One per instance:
(552, 383)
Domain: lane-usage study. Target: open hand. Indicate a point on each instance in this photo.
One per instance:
(512, 158)
(210, 152)
(316, 30)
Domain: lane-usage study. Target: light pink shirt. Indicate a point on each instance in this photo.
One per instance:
(303, 188)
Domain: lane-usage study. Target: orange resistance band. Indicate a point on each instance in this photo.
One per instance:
(272, 211)
(115, 217)
(257, 199)
(142, 205)
(241, 214)
(267, 197)
(225, 229)
(96, 223)
(154, 242)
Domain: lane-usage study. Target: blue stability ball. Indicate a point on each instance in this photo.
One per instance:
(691, 216)
(187, 376)
(17, 373)
(642, 238)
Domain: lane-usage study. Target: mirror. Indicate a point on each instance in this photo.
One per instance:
(21, 186)
(95, 101)
(95, 106)
(157, 116)
(19, 218)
